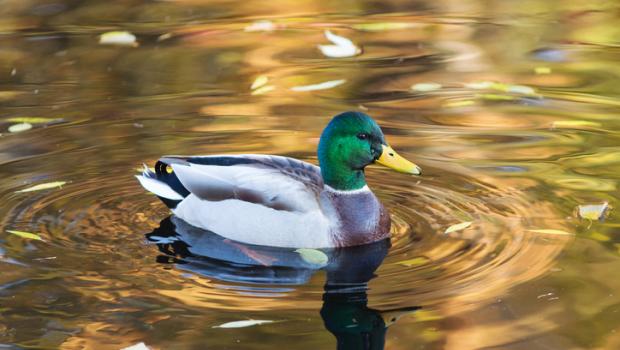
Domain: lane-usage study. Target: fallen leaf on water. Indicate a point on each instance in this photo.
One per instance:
(425, 87)
(139, 346)
(496, 97)
(313, 256)
(242, 324)
(321, 86)
(491, 85)
(20, 127)
(575, 124)
(25, 234)
(44, 186)
(417, 261)
(593, 211)
(382, 26)
(122, 38)
(263, 90)
(260, 26)
(260, 81)
(542, 70)
(597, 236)
(461, 103)
(33, 120)
(458, 227)
(552, 232)
(342, 47)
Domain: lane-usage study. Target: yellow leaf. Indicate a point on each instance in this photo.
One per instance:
(122, 38)
(263, 90)
(425, 87)
(44, 186)
(33, 120)
(313, 256)
(458, 227)
(542, 70)
(24, 234)
(552, 232)
(382, 26)
(461, 103)
(496, 97)
(260, 81)
(574, 124)
(417, 261)
(597, 236)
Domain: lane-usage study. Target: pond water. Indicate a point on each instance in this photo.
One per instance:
(511, 108)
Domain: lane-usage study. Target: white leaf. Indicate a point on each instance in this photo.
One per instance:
(20, 127)
(342, 47)
(458, 227)
(44, 186)
(313, 256)
(261, 26)
(321, 86)
(260, 81)
(242, 324)
(122, 38)
(139, 346)
(424, 87)
(593, 211)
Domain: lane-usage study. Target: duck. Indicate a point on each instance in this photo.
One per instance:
(271, 200)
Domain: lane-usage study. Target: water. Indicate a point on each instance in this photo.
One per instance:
(512, 157)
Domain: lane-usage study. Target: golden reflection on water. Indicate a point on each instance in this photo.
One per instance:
(510, 162)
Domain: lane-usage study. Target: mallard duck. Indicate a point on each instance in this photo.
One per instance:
(284, 202)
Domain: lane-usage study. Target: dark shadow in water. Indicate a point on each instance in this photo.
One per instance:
(345, 309)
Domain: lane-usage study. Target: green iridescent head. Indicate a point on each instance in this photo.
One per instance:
(350, 142)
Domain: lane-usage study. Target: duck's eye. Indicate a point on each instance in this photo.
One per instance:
(362, 136)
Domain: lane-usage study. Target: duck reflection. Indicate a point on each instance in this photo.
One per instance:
(345, 310)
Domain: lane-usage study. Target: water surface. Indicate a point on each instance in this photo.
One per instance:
(523, 129)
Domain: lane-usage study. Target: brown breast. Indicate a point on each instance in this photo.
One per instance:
(363, 219)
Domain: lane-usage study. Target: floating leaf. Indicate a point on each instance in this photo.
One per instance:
(44, 186)
(313, 256)
(321, 86)
(480, 85)
(593, 211)
(496, 97)
(425, 87)
(574, 124)
(260, 81)
(552, 232)
(342, 47)
(242, 324)
(122, 38)
(458, 227)
(20, 127)
(24, 234)
(383, 26)
(263, 90)
(597, 236)
(261, 26)
(33, 120)
(542, 70)
(461, 103)
(139, 346)
(521, 89)
(417, 261)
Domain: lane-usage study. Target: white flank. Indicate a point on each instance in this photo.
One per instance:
(321, 86)
(158, 188)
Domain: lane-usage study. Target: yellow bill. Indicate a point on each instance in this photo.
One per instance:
(393, 160)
